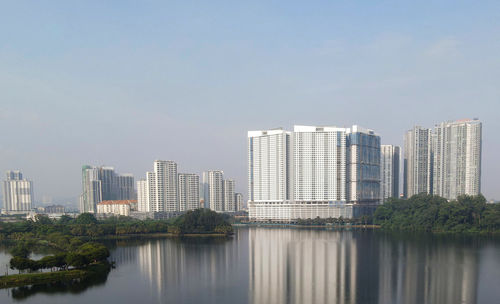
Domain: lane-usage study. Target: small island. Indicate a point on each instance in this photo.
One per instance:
(76, 253)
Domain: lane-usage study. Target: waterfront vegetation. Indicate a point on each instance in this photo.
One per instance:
(432, 213)
(75, 254)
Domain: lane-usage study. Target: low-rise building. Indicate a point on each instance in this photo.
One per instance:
(116, 207)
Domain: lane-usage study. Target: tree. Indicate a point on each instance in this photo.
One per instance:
(20, 263)
(65, 219)
(76, 260)
(20, 251)
(86, 219)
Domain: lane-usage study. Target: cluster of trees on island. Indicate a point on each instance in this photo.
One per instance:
(83, 256)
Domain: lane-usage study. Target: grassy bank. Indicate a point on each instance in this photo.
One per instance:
(17, 280)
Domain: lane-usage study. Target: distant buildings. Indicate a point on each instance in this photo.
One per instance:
(218, 193)
(17, 192)
(314, 171)
(389, 171)
(103, 183)
(54, 209)
(116, 207)
(165, 190)
(445, 161)
(238, 199)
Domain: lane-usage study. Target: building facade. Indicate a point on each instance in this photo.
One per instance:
(314, 171)
(238, 199)
(457, 158)
(189, 191)
(229, 195)
(17, 192)
(143, 204)
(115, 207)
(215, 190)
(417, 162)
(389, 171)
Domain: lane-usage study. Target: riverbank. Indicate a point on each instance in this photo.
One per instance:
(69, 276)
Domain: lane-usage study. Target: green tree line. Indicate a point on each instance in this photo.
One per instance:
(424, 212)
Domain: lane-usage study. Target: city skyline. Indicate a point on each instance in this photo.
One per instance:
(82, 89)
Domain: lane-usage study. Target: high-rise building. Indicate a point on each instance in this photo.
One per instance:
(389, 171)
(163, 188)
(457, 158)
(91, 189)
(269, 176)
(102, 183)
(214, 192)
(229, 198)
(417, 162)
(238, 199)
(319, 155)
(17, 192)
(124, 187)
(143, 204)
(189, 191)
(314, 171)
(363, 167)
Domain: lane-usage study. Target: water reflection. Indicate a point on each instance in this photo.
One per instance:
(308, 266)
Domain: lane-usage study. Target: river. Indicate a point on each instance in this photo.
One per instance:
(281, 265)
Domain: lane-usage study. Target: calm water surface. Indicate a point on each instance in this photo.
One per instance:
(266, 265)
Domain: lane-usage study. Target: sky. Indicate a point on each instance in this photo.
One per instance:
(122, 83)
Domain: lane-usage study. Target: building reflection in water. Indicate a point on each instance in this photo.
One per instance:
(178, 270)
(309, 266)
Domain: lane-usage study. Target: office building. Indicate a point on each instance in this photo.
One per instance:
(17, 192)
(457, 158)
(189, 191)
(314, 171)
(229, 195)
(389, 171)
(417, 162)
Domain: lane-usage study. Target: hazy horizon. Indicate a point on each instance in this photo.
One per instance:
(123, 83)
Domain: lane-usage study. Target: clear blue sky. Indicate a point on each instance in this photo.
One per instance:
(123, 83)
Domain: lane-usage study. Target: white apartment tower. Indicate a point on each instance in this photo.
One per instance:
(389, 171)
(269, 166)
(417, 161)
(229, 196)
(313, 171)
(143, 204)
(17, 192)
(163, 189)
(214, 194)
(319, 156)
(457, 158)
(189, 191)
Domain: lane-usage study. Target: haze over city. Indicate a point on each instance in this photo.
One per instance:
(124, 85)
